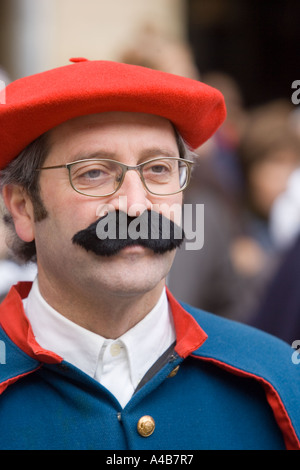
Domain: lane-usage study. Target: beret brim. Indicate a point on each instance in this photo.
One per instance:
(38, 103)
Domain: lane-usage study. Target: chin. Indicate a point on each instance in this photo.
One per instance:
(134, 277)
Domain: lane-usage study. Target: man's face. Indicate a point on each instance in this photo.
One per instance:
(130, 138)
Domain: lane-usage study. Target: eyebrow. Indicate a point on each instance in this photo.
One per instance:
(143, 156)
(152, 152)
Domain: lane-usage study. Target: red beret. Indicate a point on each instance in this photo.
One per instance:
(37, 103)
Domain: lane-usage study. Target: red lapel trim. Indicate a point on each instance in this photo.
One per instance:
(17, 327)
(281, 416)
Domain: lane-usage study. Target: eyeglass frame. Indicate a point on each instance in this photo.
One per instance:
(125, 168)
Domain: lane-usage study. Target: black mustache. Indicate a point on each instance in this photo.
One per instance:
(116, 230)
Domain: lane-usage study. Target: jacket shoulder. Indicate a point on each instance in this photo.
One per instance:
(249, 352)
(242, 344)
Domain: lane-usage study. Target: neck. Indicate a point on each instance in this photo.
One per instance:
(109, 314)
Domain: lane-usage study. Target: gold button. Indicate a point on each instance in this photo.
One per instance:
(146, 426)
(173, 372)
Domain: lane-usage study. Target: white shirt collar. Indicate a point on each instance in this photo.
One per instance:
(141, 346)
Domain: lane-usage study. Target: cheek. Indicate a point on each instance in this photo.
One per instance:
(66, 207)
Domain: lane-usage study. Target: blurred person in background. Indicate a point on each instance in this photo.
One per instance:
(269, 152)
(285, 211)
(153, 49)
(279, 310)
(224, 159)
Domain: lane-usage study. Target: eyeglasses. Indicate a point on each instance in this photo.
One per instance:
(103, 177)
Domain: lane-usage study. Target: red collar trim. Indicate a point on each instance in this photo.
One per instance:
(17, 327)
(13, 320)
(189, 335)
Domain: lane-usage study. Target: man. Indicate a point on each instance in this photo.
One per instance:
(98, 353)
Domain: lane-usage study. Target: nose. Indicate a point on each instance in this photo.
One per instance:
(132, 198)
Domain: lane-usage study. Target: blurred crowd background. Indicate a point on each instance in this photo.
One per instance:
(247, 176)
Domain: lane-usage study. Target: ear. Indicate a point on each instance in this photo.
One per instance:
(19, 204)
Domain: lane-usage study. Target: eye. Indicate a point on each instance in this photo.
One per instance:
(90, 171)
(159, 168)
(159, 171)
(92, 174)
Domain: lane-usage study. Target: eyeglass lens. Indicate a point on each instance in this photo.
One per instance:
(101, 177)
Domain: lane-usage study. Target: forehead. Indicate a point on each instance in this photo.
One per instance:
(111, 126)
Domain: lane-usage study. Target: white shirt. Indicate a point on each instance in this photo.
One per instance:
(118, 364)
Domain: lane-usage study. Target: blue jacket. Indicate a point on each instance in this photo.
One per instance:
(225, 386)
